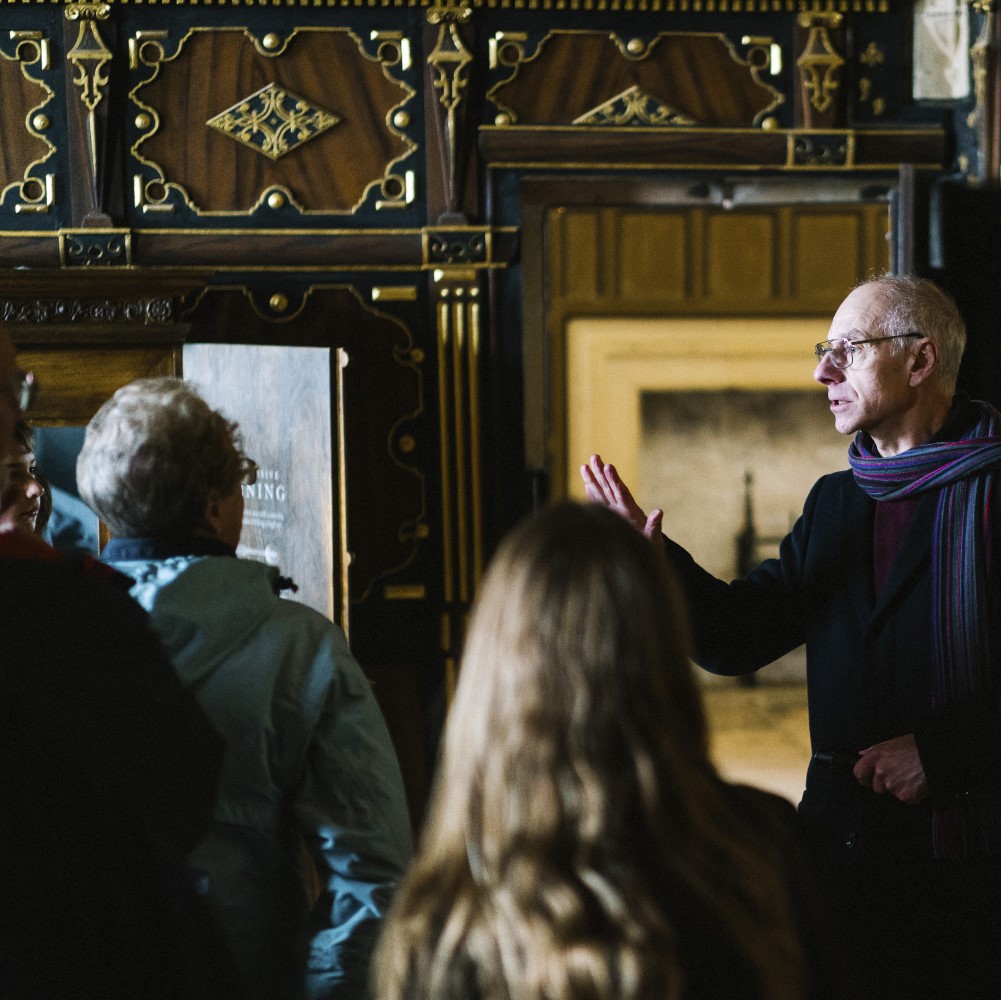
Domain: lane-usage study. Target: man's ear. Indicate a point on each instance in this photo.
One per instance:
(212, 518)
(924, 363)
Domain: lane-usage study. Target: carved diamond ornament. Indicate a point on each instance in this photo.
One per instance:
(273, 121)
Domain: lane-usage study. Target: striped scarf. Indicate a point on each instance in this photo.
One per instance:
(964, 636)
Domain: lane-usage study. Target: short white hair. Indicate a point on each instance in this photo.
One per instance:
(151, 456)
(917, 305)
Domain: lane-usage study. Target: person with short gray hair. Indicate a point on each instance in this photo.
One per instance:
(309, 763)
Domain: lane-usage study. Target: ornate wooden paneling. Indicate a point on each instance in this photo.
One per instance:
(597, 78)
(303, 117)
(767, 258)
(27, 184)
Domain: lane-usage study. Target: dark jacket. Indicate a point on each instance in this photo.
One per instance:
(869, 663)
(108, 773)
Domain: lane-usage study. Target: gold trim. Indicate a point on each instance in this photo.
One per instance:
(475, 470)
(404, 592)
(650, 7)
(394, 293)
(442, 311)
(458, 415)
(342, 494)
(408, 180)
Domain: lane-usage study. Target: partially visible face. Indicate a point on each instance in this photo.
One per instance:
(20, 501)
(873, 393)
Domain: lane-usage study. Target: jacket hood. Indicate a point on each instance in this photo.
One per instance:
(202, 607)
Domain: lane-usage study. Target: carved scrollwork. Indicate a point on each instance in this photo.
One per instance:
(457, 247)
(821, 151)
(95, 247)
(152, 311)
(634, 107)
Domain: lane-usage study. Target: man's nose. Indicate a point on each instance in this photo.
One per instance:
(827, 372)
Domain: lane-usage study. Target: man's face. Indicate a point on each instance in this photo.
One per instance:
(872, 394)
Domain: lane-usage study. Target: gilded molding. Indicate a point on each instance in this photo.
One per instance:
(820, 63)
(653, 7)
(154, 193)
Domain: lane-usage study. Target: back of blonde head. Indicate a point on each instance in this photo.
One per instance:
(575, 797)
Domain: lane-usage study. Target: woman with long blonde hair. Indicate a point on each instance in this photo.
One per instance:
(580, 843)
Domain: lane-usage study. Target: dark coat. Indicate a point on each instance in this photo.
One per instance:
(869, 663)
(108, 774)
(905, 924)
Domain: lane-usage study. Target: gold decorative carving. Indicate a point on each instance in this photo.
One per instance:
(450, 60)
(138, 44)
(37, 194)
(872, 55)
(397, 191)
(150, 196)
(394, 48)
(820, 62)
(88, 57)
(506, 48)
(273, 121)
(634, 107)
(85, 10)
(278, 302)
(95, 247)
(33, 40)
(763, 52)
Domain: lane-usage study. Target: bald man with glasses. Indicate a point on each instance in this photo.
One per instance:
(892, 579)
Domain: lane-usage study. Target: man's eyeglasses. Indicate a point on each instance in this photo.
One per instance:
(23, 389)
(842, 350)
(248, 471)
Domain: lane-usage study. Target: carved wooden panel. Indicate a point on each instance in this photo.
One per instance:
(303, 118)
(74, 382)
(23, 119)
(768, 258)
(594, 78)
